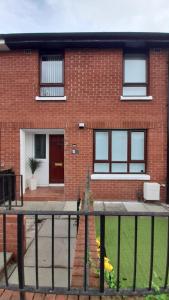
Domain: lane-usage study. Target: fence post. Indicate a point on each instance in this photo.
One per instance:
(86, 250)
(10, 192)
(86, 237)
(102, 251)
(77, 218)
(20, 254)
(21, 177)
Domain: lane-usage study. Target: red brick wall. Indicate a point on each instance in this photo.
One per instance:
(93, 86)
(78, 263)
(11, 235)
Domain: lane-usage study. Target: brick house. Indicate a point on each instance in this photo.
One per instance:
(79, 101)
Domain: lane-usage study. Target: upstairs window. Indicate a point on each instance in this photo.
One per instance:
(135, 75)
(119, 151)
(52, 76)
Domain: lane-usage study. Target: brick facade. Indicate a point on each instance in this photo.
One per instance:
(93, 86)
(11, 235)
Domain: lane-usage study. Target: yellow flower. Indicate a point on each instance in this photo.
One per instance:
(106, 259)
(98, 252)
(108, 267)
(98, 243)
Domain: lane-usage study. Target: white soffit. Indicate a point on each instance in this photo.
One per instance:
(3, 46)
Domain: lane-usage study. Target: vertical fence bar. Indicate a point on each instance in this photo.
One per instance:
(53, 252)
(20, 254)
(3, 189)
(135, 252)
(21, 178)
(4, 249)
(85, 255)
(36, 251)
(167, 260)
(14, 183)
(77, 218)
(102, 251)
(10, 191)
(69, 253)
(151, 253)
(118, 252)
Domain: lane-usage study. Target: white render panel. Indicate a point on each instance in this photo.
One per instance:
(27, 151)
(42, 174)
(22, 156)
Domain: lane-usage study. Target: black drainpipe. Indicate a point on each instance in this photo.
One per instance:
(167, 181)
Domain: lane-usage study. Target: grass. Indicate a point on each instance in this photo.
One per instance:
(143, 254)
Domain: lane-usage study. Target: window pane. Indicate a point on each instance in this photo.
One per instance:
(52, 91)
(103, 168)
(119, 168)
(134, 91)
(101, 147)
(119, 145)
(40, 146)
(135, 69)
(52, 69)
(137, 168)
(137, 146)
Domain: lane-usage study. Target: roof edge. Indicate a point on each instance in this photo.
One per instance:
(85, 39)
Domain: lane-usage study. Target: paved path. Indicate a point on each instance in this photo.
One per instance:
(129, 206)
(45, 243)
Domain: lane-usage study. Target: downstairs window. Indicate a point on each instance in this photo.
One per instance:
(119, 151)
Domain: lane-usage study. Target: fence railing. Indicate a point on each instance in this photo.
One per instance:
(11, 190)
(132, 266)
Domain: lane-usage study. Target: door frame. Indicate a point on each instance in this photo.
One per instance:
(23, 153)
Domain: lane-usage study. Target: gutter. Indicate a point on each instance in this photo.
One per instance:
(3, 45)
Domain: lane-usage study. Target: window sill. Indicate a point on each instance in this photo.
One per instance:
(142, 98)
(120, 177)
(64, 98)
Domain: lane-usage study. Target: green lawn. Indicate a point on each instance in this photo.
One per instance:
(127, 248)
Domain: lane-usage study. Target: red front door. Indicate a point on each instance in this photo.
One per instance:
(56, 159)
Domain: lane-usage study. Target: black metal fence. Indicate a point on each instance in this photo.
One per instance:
(11, 190)
(86, 289)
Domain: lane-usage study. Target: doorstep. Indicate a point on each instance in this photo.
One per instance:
(49, 193)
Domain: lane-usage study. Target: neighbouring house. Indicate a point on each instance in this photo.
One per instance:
(86, 101)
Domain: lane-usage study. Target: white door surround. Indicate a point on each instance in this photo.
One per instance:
(27, 151)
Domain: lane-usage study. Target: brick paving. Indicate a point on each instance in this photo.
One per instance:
(11, 295)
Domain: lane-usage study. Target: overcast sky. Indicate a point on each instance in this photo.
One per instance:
(83, 15)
